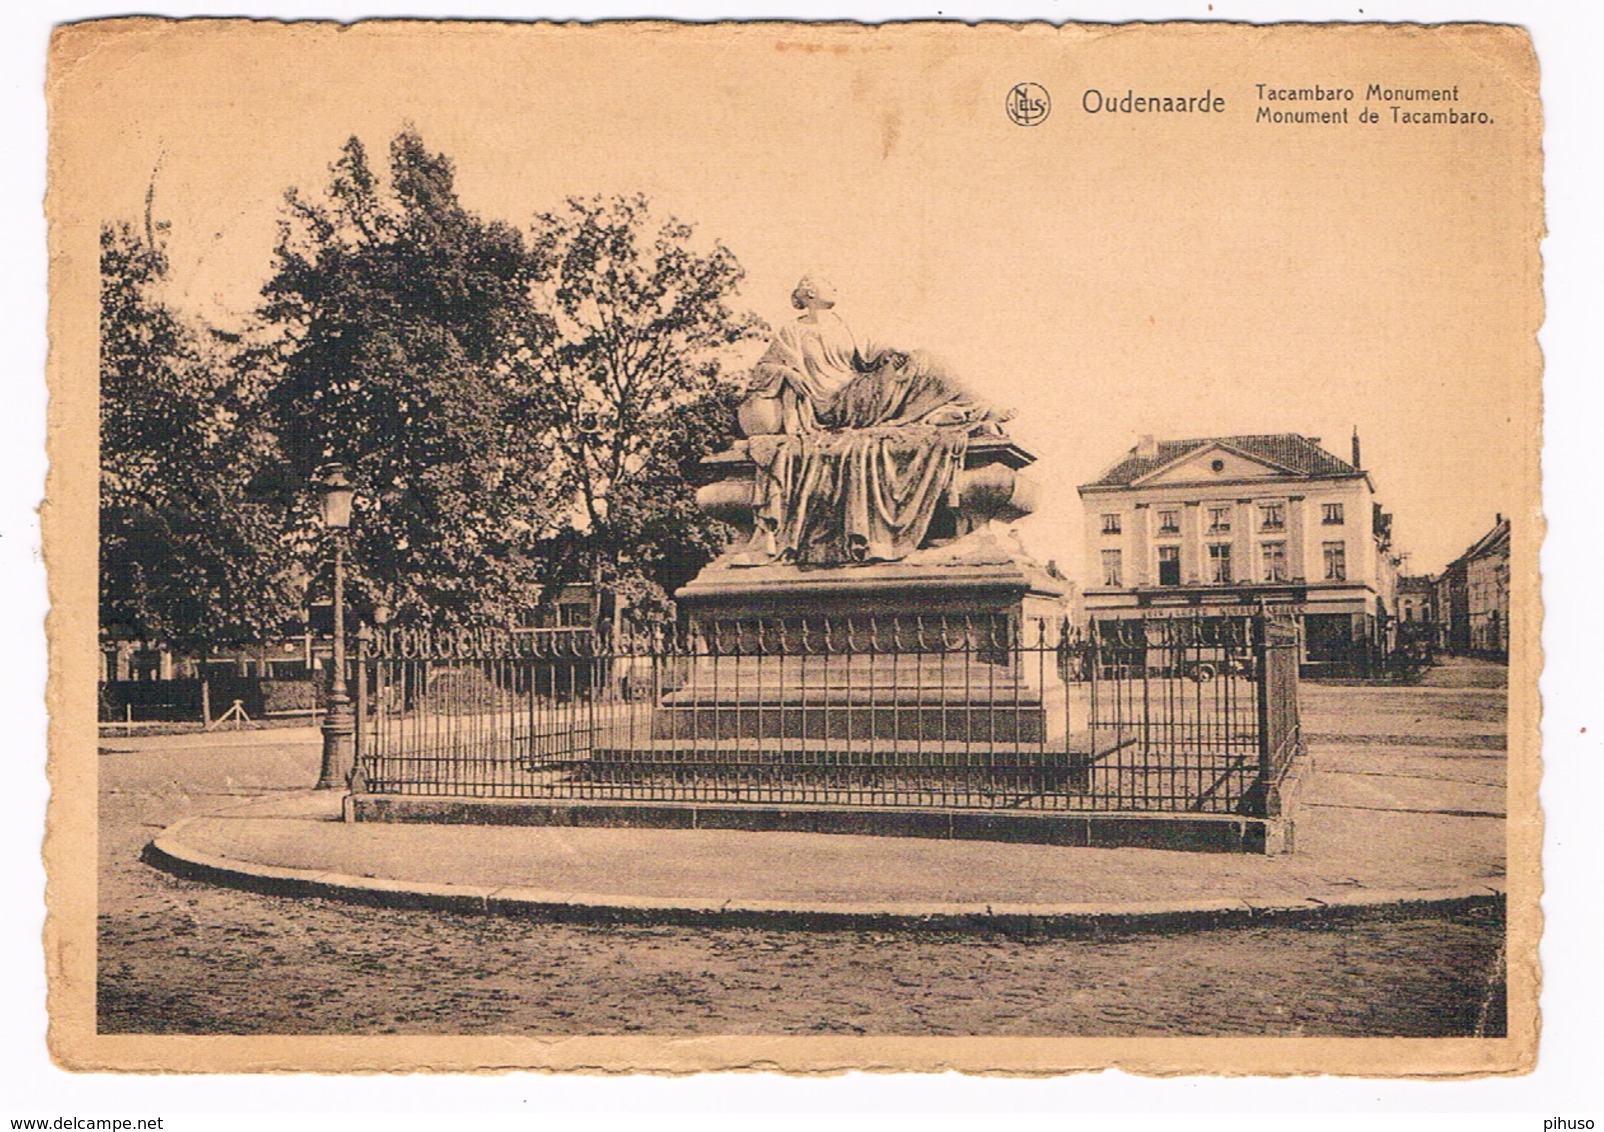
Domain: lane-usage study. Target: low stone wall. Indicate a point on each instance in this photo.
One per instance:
(1207, 833)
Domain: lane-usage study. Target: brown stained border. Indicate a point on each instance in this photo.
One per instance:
(85, 64)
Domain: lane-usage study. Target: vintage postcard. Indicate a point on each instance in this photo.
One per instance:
(661, 547)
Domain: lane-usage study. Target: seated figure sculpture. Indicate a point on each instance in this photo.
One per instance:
(855, 446)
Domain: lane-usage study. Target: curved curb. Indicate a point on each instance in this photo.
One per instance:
(169, 853)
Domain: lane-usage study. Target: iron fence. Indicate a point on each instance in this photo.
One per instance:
(1199, 713)
(974, 712)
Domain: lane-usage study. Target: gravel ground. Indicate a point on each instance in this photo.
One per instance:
(181, 957)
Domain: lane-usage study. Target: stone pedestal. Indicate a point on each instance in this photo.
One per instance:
(951, 644)
(975, 580)
(968, 696)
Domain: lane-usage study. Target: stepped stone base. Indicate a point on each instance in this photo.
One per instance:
(909, 769)
(975, 723)
(959, 698)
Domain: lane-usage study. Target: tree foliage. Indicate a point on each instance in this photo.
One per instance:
(634, 387)
(405, 335)
(187, 554)
(517, 411)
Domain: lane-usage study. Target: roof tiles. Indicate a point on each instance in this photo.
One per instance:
(1298, 454)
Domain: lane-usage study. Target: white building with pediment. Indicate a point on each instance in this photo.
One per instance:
(1219, 525)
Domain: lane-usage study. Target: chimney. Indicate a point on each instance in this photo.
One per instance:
(1356, 461)
(1147, 447)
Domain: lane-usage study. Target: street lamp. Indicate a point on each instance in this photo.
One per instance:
(339, 724)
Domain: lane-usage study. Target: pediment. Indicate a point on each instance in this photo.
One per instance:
(1210, 463)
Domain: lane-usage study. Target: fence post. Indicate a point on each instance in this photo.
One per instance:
(1094, 661)
(1263, 799)
(358, 779)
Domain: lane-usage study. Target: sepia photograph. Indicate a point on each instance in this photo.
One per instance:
(1002, 547)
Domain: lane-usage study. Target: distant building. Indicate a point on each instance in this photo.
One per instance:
(1451, 601)
(301, 647)
(1218, 525)
(1473, 597)
(1416, 623)
(1416, 598)
(125, 656)
(577, 607)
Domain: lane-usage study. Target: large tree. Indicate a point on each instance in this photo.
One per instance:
(405, 340)
(634, 387)
(189, 555)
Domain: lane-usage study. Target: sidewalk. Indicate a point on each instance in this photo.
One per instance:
(200, 740)
(1404, 807)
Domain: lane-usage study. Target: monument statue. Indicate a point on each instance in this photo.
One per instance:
(855, 446)
(869, 504)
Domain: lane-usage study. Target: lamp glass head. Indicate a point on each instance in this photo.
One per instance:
(335, 481)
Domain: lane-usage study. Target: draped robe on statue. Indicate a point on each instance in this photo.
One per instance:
(872, 441)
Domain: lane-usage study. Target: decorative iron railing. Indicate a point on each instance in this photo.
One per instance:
(972, 712)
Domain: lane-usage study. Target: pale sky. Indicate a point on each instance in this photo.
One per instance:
(1106, 275)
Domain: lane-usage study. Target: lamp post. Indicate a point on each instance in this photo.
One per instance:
(339, 724)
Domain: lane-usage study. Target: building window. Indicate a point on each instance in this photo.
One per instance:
(1111, 524)
(1272, 516)
(1331, 514)
(1169, 522)
(1220, 563)
(1275, 561)
(1336, 556)
(1219, 519)
(1169, 565)
(1112, 574)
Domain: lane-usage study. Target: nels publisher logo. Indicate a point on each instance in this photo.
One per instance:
(1028, 104)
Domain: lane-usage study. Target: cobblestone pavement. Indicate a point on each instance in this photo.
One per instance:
(182, 957)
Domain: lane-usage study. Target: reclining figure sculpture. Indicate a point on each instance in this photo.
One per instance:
(855, 446)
